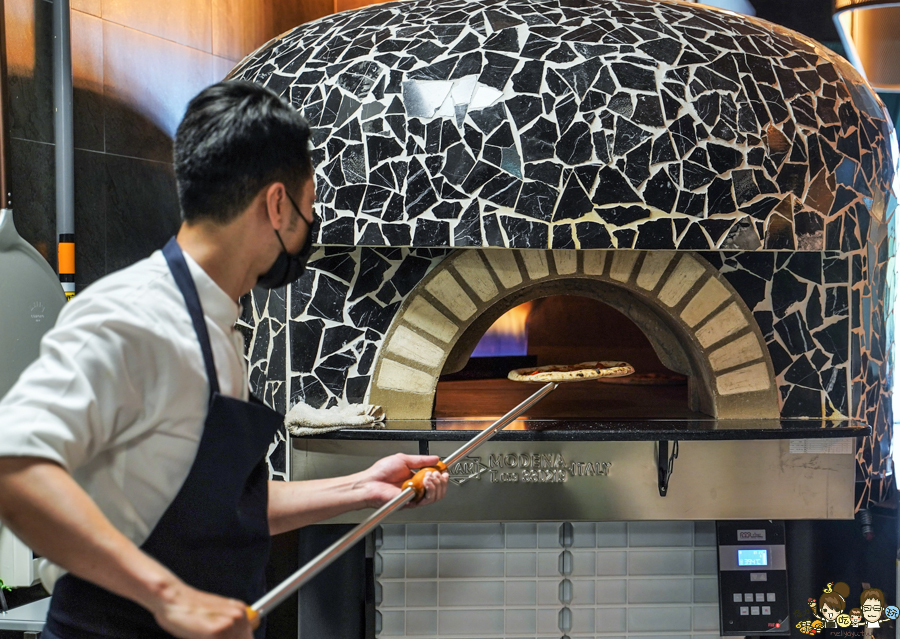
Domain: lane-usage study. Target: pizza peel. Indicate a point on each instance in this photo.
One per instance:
(413, 489)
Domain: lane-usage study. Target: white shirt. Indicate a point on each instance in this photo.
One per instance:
(119, 394)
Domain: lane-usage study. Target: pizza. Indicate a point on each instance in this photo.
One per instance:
(571, 372)
(648, 379)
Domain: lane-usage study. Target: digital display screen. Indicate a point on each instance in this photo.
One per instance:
(753, 557)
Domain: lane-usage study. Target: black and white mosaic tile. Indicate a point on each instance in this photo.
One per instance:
(591, 124)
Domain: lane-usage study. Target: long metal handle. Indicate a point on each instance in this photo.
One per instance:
(286, 588)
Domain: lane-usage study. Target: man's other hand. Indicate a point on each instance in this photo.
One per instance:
(191, 614)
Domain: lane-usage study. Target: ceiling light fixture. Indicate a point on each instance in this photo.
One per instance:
(870, 31)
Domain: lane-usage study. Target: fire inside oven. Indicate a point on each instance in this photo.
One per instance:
(561, 329)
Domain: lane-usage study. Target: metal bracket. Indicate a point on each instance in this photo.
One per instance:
(665, 464)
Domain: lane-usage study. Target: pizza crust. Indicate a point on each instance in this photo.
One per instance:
(570, 372)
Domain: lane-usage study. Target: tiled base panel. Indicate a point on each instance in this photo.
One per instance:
(547, 580)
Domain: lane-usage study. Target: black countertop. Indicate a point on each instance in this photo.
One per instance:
(530, 430)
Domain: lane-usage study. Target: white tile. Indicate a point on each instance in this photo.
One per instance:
(521, 593)
(704, 533)
(622, 265)
(610, 619)
(585, 535)
(744, 380)
(660, 591)
(681, 279)
(476, 275)
(421, 594)
(521, 564)
(705, 562)
(521, 535)
(724, 323)
(708, 298)
(659, 618)
(612, 534)
(660, 533)
(610, 591)
(392, 565)
(548, 564)
(410, 345)
(396, 376)
(566, 261)
(611, 563)
(421, 622)
(521, 621)
(706, 617)
(393, 536)
(421, 536)
(392, 594)
(548, 534)
(448, 292)
(706, 590)
(471, 564)
(584, 565)
(470, 622)
(470, 593)
(421, 565)
(426, 317)
(583, 590)
(655, 264)
(535, 263)
(474, 535)
(392, 624)
(548, 620)
(548, 592)
(582, 620)
(505, 268)
(594, 261)
(743, 349)
(659, 562)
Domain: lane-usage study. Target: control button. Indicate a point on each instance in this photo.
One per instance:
(770, 596)
(745, 611)
(748, 596)
(738, 598)
(766, 610)
(760, 596)
(759, 576)
(754, 610)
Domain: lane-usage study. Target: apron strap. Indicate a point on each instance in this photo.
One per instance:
(177, 264)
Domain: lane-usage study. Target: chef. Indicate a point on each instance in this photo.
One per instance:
(130, 452)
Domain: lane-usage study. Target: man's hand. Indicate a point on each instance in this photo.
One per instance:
(191, 614)
(383, 479)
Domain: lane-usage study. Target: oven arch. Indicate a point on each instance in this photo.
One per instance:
(695, 320)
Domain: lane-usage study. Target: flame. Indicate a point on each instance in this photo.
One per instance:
(507, 335)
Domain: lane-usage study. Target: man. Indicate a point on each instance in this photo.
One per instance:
(129, 454)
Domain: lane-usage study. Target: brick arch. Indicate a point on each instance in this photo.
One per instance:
(682, 295)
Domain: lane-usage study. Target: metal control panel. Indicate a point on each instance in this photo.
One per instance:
(753, 587)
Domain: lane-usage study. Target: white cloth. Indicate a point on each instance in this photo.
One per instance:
(119, 393)
(303, 419)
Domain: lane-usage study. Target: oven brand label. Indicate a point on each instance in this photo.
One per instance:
(751, 535)
(526, 468)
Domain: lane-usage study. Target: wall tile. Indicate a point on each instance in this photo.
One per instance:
(610, 619)
(662, 618)
(706, 590)
(660, 533)
(521, 564)
(474, 564)
(142, 210)
(393, 536)
(29, 46)
(521, 621)
(706, 617)
(421, 565)
(548, 620)
(521, 535)
(221, 68)
(421, 622)
(92, 7)
(548, 592)
(610, 591)
(187, 22)
(704, 533)
(548, 534)
(239, 27)
(391, 624)
(521, 593)
(659, 562)
(421, 536)
(421, 594)
(90, 217)
(612, 534)
(392, 565)
(471, 593)
(472, 535)
(469, 622)
(585, 535)
(34, 195)
(610, 563)
(660, 591)
(87, 80)
(705, 562)
(144, 109)
(582, 620)
(393, 594)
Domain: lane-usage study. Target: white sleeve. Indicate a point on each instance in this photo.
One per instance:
(81, 395)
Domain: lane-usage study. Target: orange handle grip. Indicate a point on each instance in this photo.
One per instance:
(417, 481)
(253, 618)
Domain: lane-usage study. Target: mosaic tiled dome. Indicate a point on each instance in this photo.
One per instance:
(580, 124)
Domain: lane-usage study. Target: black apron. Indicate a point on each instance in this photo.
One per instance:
(215, 534)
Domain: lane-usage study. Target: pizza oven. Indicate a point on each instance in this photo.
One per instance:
(506, 182)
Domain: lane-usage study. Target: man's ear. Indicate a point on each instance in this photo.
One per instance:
(274, 197)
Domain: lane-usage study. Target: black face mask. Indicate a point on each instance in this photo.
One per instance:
(288, 267)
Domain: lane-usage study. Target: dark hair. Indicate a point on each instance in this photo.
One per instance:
(237, 137)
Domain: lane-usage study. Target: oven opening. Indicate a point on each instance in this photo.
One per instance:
(560, 329)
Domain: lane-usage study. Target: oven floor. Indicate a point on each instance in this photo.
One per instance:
(492, 398)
